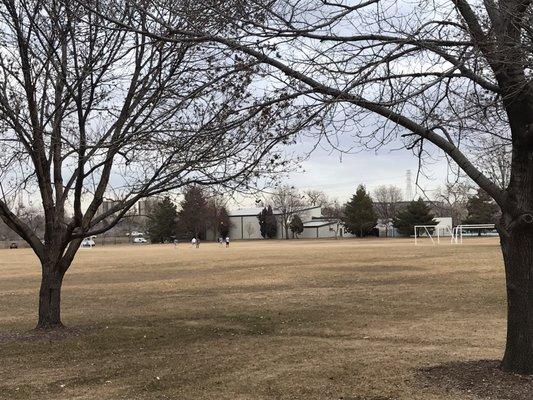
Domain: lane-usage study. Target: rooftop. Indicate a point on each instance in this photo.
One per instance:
(249, 212)
(245, 212)
(318, 223)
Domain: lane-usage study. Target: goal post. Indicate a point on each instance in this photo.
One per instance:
(433, 232)
(427, 229)
(457, 236)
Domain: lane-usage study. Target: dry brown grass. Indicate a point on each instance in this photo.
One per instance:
(351, 319)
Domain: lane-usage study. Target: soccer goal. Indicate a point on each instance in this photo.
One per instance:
(433, 232)
(460, 230)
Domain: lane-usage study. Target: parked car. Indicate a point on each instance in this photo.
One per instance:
(88, 242)
(140, 240)
(13, 245)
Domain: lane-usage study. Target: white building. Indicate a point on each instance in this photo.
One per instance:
(245, 224)
(324, 228)
(444, 225)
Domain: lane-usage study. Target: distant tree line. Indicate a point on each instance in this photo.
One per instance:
(360, 215)
(199, 214)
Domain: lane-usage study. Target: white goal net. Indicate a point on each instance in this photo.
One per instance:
(462, 230)
(433, 232)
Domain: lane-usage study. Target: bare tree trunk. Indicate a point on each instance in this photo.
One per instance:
(50, 297)
(518, 256)
(517, 247)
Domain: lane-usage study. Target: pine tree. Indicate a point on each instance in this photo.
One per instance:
(162, 221)
(268, 223)
(194, 214)
(218, 219)
(416, 213)
(272, 223)
(262, 216)
(296, 225)
(359, 215)
(223, 222)
(481, 209)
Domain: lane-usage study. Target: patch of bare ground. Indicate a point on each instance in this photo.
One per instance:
(482, 378)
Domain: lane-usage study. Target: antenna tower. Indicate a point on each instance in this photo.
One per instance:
(408, 186)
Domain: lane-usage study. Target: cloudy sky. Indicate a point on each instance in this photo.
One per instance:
(339, 174)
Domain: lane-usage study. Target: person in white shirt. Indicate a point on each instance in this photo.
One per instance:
(227, 241)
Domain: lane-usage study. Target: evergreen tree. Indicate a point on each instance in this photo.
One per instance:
(416, 213)
(162, 221)
(359, 215)
(268, 223)
(194, 214)
(218, 219)
(272, 223)
(223, 222)
(481, 209)
(296, 225)
(262, 216)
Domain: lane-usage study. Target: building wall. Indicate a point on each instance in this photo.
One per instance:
(324, 232)
(445, 225)
(305, 215)
(308, 215)
(247, 227)
(318, 232)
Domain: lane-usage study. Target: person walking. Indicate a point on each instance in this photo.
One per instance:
(193, 241)
(227, 241)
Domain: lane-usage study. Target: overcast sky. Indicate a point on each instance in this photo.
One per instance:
(338, 175)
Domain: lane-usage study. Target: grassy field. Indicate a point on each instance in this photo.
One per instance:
(347, 319)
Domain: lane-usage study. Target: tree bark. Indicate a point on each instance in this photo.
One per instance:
(50, 298)
(518, 256)
(516, 239)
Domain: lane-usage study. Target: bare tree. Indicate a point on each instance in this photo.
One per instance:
(494, 159)
(88, 111)
(334, 212)
(444, 76)
(287, 201)
(316, 197)
(454, 196)
(386, 199)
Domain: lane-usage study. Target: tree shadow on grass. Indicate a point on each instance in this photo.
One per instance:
(482, 378)
(44, 335)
